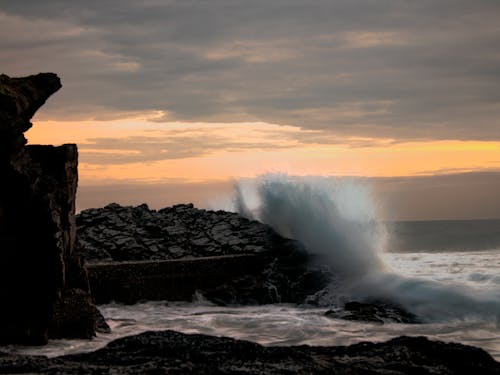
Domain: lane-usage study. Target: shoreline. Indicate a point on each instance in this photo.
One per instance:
(174, 352)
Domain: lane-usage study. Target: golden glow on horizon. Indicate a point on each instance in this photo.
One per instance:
(249, 149)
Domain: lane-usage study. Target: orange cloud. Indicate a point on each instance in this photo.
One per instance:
(136, 149)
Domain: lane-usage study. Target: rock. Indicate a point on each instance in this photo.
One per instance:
(74, 316)
(376, 312)
(169, 352)
(125, 234)
(37, 230)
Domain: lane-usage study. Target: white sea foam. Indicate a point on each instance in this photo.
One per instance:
(267, 325)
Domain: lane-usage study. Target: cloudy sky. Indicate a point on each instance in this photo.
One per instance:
(168, 98)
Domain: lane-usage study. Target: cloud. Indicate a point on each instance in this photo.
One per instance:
(363, 39)
(392, 69)
(176, 144)
(174, 141)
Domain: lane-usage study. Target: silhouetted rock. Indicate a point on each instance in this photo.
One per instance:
(376, 312)
(39, 275)
(239, 261)
(171, 352)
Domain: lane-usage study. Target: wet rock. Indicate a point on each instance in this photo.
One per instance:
(377, 312)
(169, 352)
(122, 234)
(37, 230)
(74, 316)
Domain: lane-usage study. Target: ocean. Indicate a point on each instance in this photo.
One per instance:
(446, 272)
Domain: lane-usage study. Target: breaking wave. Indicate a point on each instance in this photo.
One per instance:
(338, 220)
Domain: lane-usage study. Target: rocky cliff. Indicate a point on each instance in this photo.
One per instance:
(44, 289)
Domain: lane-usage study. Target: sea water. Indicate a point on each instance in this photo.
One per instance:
(293, 325)
(445, 272)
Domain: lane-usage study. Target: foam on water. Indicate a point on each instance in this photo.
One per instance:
(477, 269)
(292, 325)
(268, 325)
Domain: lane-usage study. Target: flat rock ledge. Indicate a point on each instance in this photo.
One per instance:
(169, 352)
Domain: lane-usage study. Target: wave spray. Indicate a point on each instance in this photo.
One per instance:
(337, 219)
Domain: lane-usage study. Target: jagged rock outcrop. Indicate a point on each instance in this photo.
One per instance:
(40, 276)
(123, 233)
(171, 352)
(254, 264)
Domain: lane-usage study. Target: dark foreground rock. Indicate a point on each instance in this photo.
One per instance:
(43, 287)
(375, 312)
(176, 353)
(135, 253)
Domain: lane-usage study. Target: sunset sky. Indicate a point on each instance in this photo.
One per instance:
(172, 101)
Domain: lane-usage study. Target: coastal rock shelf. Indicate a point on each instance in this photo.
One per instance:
(225, 257)
(169, 352)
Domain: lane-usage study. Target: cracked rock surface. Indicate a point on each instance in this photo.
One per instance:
(137, 233)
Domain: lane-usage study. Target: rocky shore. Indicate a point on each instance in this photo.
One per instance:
(135, 253)
(50, 279)
(169, 352)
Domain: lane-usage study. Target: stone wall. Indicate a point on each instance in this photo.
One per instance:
(171, 280)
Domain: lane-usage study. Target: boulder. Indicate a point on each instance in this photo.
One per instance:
(38, 268)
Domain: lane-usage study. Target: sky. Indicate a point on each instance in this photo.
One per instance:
(173, 101)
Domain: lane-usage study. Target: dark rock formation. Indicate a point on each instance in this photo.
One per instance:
(376, 312)
(274, 269)
(40, 278)
(171, 352)
(137, 233)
